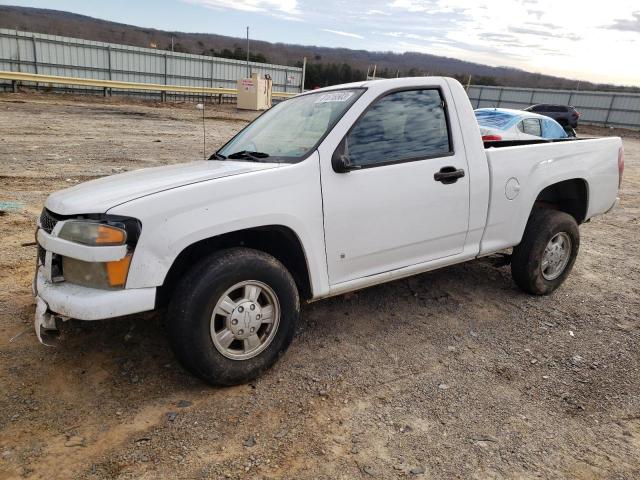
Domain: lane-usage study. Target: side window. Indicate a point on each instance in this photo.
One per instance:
(400, 126)
(531, 126)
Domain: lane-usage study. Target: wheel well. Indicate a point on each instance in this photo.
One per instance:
(278, 241)
(569, 196)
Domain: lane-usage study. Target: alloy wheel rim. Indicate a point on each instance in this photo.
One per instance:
(245, 320)
(556, 256)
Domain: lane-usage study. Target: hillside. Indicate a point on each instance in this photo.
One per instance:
(326, 65)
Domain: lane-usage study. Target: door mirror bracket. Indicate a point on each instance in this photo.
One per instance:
(341, 162)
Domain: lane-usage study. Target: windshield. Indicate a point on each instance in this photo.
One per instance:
(291, 129)
(495, 119)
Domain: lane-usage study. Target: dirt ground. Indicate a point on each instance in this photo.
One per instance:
(450, 374)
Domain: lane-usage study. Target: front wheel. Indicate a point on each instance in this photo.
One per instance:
(233, 315)
(545, 256)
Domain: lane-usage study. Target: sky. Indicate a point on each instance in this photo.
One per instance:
(592, 40)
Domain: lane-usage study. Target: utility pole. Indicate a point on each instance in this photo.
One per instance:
(248, 67)
(172, 43)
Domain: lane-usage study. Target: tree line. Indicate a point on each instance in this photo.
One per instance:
(238, 53)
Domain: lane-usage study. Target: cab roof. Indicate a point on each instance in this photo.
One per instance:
(389, 83)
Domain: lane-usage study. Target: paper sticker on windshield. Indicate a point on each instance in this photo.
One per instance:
(334, 97)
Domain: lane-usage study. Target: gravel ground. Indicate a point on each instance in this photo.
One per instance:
(449, 374)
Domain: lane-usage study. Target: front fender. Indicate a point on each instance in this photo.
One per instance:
(172, 220)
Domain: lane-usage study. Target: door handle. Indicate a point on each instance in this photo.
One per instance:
(448, 175)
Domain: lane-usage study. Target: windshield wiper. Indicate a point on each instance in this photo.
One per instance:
(217, 156)
(246, 155)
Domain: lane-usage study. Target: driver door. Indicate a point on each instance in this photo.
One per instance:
(396, 208)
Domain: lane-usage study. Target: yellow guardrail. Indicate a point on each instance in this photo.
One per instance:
(153, 87)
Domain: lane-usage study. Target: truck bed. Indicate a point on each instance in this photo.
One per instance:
(516, 143)
(522, 169)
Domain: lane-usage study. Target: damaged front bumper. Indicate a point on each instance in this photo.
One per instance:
(45, 323)
(64, 300)
(60, 300)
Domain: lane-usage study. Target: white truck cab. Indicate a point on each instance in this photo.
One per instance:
(328, 192)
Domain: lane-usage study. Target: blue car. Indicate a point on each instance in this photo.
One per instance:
(500, 124)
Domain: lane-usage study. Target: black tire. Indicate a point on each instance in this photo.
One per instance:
(193, 302)
(526, 261)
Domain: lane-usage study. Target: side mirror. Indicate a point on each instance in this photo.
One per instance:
(340, 160)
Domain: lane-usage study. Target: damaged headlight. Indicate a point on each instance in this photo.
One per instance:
(96, 274)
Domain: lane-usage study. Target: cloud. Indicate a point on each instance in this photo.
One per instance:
(626, 25)
(536, 13)
(543, 33)
(412, 36)
(499, 37)
(290, 18)
(377, 12)
(413, 5)
(286, 6)
(343, 34)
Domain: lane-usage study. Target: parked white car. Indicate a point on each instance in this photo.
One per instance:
(328, 192)
(504, 124)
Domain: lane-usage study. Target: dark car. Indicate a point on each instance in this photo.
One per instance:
(565, 115)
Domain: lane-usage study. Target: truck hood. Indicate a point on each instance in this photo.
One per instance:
(98, 196)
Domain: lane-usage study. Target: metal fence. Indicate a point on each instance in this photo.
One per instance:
(615, 109)
(72, 57)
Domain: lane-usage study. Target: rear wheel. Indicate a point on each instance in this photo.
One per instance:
(233, 315)
(547, 252)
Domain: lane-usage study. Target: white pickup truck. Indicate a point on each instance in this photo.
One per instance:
(328, 192)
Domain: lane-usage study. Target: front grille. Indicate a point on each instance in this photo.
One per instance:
(47, 221)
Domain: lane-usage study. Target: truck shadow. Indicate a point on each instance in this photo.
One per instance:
(135, 353)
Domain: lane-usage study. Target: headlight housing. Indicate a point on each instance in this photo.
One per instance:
(93, 233)
(99, 232)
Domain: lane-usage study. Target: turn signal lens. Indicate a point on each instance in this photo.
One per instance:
(94, 234)
(117, 271)
(110, 235)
